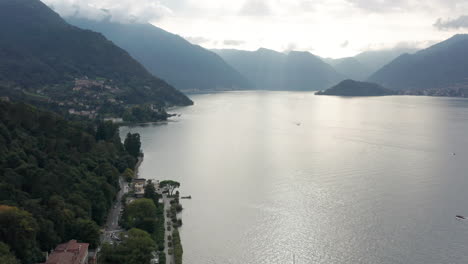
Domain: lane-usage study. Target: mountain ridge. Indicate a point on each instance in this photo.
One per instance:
(168, 55)
(271, 70)
(363, 65)
(41, 54)
(442, 65)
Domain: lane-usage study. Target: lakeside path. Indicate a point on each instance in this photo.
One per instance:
(112, 222)
(167, 205)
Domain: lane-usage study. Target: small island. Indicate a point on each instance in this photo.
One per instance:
(355, 88)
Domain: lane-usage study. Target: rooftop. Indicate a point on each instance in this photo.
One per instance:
(71, 252)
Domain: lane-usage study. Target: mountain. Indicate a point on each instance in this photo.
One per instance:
(376, 59)
(443, 65)
(271, 70)
(43, 57)
(169, 56)
(355, 88)
(350, 67)
(363, 65)
(262, 68)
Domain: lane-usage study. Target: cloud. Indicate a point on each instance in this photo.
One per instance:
(122, 11)
(405, 6)
(456, 23)
(401, 46)
(344, 44)
(255, 8)
(198, 40)
(232, 42)
(291, 46)
(380, 6)
(308, 5)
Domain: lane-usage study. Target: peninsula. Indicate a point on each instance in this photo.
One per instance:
(355, 88)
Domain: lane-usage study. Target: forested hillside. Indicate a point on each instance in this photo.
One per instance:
(44, 58)
(57, 179)
(356, 88)
(186, 66)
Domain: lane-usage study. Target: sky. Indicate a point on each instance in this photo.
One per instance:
(327, 28)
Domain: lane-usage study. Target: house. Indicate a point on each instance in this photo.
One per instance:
(71, 252)
(139, 187)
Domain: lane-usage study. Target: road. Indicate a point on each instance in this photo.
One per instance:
(167, 205)
(112, 227)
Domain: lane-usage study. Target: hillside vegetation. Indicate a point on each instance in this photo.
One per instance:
(186, 66)
(355, 88)
(57, 179)
(45, 59)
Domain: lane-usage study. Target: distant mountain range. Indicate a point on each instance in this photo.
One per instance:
(44, 57)
(350, 67)
(363, 65)
(271, 70)
(355, 88)
(186, 66)
(444, 65)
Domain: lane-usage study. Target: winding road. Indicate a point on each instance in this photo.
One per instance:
(112, 224)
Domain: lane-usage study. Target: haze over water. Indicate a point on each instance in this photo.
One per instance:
(329, 179)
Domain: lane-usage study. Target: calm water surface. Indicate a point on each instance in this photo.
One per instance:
(329, 179)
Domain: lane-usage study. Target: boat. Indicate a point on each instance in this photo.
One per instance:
(460, 217)
(186, 197)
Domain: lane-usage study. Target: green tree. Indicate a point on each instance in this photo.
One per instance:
(18, 229)
(56, 179)
(106, 130)
(140, 214)
(170, 185)
(133, 144)
(136, 248)
(178, 250)
(6, 257)
(87, 231)
(128, 174)
(150, 192)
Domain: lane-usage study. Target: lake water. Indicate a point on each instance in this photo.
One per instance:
(328, 179)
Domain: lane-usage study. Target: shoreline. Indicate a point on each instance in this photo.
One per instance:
(137, 167)
(172, 240)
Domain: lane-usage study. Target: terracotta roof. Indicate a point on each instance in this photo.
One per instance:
(69, 253)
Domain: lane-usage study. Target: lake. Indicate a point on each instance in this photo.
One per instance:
(326, 179)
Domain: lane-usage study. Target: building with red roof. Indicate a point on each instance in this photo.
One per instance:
(71, 252)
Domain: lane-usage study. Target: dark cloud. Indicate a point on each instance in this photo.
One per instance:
(456, 23)
(255, 8)
(232, 42)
